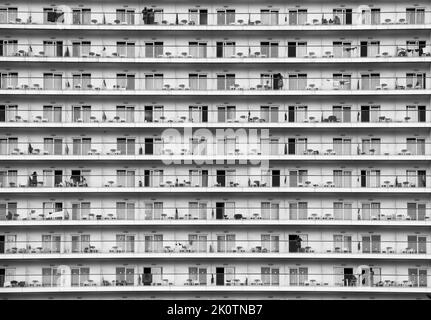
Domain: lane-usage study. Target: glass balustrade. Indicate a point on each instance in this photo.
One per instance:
(225, 182)
(355, 16)
(228, 244)
(159, 50)
(223, 83)
(214, 277)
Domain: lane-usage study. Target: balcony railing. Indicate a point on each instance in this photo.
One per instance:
(208, 212)
(210, 278)
(357, 15)
(207, 114)
(205, 52)
(229, 244)
(263, 148)
(272, 82)
(188, 182)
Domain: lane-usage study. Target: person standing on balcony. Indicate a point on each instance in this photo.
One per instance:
(145, 15)
(277, 81)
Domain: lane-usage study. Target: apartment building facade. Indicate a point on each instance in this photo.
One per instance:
(197, 150)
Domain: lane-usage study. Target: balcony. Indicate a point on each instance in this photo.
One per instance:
(273, 85)
(344, 18)
(272, 247)
(301, 116)
(252, 53)
(209, 214)
(215, 282)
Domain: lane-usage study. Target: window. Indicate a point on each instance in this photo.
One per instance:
(8, 15)
(154, 49)
(370, 16)
(126, 49)
(416, 80)
(198, 49)
(342, 81)
(52, 113)
(8, 210)
(125, 242)
(81, 210)
(198, 275)
(154, 81)
(269, 16)
(342, 178)
(198, 210)
(198, 113)
(226, 243)
(297, 16)
(153, 178)
(153, 113)
(370, 81)
(416, 146)
(51, 243)
(125, 16)
(342, 113)
(342, 49)
(197, 81)
(416, 113)
(80, 276)
(197, 242)
(126, 113)
(126, 178)
(270, 210)
(226, 113)
(416, 178)
(198, 177)
(370, 211)
(53, 15)
(225, 81)
(415, 15)
(298, 81)
(153, 210)
(269, 49)
(81, 243)
(126, 146)
(371, 244)
(50, 277)
(81, 48)
(296, 49)
(270, 242)
(125, 276)
(126, 81)
(198, 16)
(53, 145)
(225, 49)
(370, 48)
(298, 276)
(342, 211)
(370, 113)
(343, 15)
(297, 145)
(298, 210)
(8, 145)
(370, 178)
(81, 16)
(125, 210)
(416, 211)
(82, 81)
(8, 47)
(9, 80)
(342, 243)
(297, 177)
(418, 244)
(8, 113)
(342, 146)
(225, 16)
(270, 276)
(81, 146)
(297, 113)
(81, 113)
(154, 243)
(418, 277)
